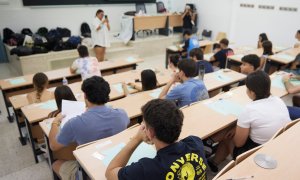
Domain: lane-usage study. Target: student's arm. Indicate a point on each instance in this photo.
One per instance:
(74, 67)
(122, 158)
(108, 25)
(241, 136)
(184, 13)
(124, 87)
(54, 145)
(291, 89)
(165, 90)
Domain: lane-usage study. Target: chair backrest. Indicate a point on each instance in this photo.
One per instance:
(160, 6)
(229, 166)
(221, 35)
(246, 154)
(140, 7)
(290, 124)
(206, 34)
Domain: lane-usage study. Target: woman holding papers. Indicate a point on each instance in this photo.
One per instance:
(100, 34)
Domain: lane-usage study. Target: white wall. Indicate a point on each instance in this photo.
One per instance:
(16, 16)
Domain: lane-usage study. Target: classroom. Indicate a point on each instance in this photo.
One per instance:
(149, 89)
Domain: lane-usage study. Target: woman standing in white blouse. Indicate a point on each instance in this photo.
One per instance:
(100, 34)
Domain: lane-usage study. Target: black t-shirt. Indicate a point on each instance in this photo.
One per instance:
(187, 22)
(182, 160)
(221, 56)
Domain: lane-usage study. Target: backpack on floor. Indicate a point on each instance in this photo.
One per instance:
(85, 30)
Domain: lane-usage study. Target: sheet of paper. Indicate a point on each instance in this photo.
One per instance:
(17, 81)
(220, 76)
(155, 93)
(208, 56)
(277, 82)
(119, 88)
(236, 56)
(71, 109)
(285, 57)
(225, 107)
(130, 59)
(143, 150)
(51, 105)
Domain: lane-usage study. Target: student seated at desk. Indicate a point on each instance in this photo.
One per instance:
(197, 55)
(190, 42)
(297, 36)
(256, 125)
(173, 62)
(250, 63)
(221, 56)
(294, 67)
(267, 51)
(190, 90)
(40, 93)
(175, 159)
(85, 65)
(261, 38)
(148, 80)
(99, 121)
(61, 93)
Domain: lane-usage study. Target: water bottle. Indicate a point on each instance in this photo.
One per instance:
(65, 81)
(201, 72)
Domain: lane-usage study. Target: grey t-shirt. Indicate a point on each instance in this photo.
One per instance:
(96, 123)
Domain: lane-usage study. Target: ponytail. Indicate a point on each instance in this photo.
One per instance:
(40, 81)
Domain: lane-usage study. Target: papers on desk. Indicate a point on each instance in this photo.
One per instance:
(71, 109)
(208, 56)
(220, 76)
(285, 57)
(277, 82)
(16, 81)
(143, 150)
(130, 59)
(155, 93)
(175, 47)
(225, 107)
(119, 88)
(51, 105)
(236, 56)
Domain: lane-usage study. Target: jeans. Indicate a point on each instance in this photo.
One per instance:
(294, 112)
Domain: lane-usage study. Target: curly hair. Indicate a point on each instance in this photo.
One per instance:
(165, 118)
(96, 90)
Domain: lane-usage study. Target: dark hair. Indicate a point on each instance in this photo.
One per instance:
(99, 11)
(148, 78)
(216, 45)
(96, 90)
(188, 66)
(167, 124)
(40, 81)
(298, 31)
(63, 92)
(263, 37)
(268, 48)
(224, 41)
(83, 51)
(174, 59)
(252, 59)
(187, 32)
(197, 52)
(259, 82)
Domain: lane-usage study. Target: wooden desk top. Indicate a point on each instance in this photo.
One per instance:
(284, 149)
(285, 57)
(202, 43)
(26, 80)
(46, 126)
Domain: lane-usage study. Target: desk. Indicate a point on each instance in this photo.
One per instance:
(204, 44)
(23, 84)
(284, 149)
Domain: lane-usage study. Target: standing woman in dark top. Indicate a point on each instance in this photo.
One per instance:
(188, 19)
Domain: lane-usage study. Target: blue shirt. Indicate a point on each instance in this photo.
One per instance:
(189, 91)
(182, 160)
(222, 55)
(190, 44)
(207, 66)
(96, 123)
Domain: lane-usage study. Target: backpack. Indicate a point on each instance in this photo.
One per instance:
(39, 50)
(37, 39)
(19, 38)
(85, 30)
(26, 31)
(73, 42)
(64, 32)
(53, 38)
(42, 31)
(21, 51)
(7, 34)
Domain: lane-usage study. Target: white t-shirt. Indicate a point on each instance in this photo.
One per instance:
(100, 37)
(87, 67)
(264, 118)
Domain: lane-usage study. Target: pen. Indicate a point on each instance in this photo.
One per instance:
(241, 178)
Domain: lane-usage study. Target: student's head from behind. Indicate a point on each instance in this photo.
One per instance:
(258, 85)
(224, 43)
(63, 93)
(40, 81)
(250, 63)
(100, 13)
(216, 47)
(297, 36)
(196, 54)
(187, 68)
(187, 34)
(83, 51)
(263, 37)
(267, 47)
(173, 61)
(96, 90)
(161, 124)
(148, 78)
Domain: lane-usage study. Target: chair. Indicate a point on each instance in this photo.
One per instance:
(246, 154)
(220, 36)
(290, 124)
(229, 166)
(142, 7)
(160, 7)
